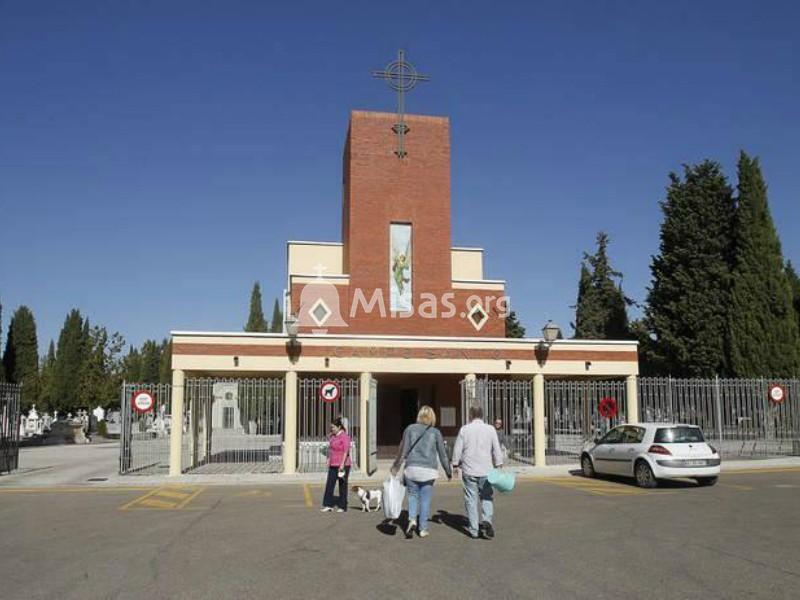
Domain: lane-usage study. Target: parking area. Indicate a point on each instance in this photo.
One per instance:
(557, 537)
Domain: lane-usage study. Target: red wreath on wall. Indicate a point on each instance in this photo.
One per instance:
(608, 407)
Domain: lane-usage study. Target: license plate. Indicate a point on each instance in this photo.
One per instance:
(697, 463)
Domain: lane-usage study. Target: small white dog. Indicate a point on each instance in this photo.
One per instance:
(367, 497)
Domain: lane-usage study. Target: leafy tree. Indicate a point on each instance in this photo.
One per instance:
(764, 336)
(601, 309)
(165, 367)
(794, 285)
(277, 318)
(132, 366)
(47, 379)
(256, 321)
(70, 353)
(688, 300)
(21, 356)
(2, 368)
(514, 328)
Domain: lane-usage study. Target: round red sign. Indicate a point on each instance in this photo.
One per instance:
(142, 401)
(608, 407)
(777, 394)
(329, 391)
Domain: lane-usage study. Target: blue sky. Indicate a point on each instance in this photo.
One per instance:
(155, 156)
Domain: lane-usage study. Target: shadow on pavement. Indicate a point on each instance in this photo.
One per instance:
(390, 526)
(630, 481)
(458, 522)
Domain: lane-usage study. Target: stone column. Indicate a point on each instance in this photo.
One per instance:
(539, 441)
(290, 423)
(363, 408)
(632, 395)
(176, 427)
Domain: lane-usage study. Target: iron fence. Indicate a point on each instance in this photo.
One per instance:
(9, 426)
(737, 414)
(573, 415)
(315, 416)
(235, 425)
(510, 401)
(144, 437)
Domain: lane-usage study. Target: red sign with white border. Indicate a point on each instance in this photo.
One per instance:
(777, 394)
(329, 391)
(142, 401)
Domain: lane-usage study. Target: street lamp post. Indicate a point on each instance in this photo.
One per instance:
(550, 333)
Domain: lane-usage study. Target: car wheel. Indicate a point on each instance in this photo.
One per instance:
(644, 475)
(706, 481)
(587, 467)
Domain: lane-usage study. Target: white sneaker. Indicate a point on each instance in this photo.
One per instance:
(412, 525)
(340, 510)
(424, 533)
(326, 509)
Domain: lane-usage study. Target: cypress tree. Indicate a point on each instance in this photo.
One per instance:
(132, 366)
(601, 309)
(46, 380)
(93, 384)
(794, 285)
(21, 355)
(514, 328)
(165, 366)
(70, 353)
(688, 300)
(256, 321)
(764, 338)
(277, 318)
(150, 362)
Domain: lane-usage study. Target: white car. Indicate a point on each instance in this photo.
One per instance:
(652, 451)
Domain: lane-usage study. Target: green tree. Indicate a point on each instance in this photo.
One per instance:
(21, 355)
(132, 366)
(514, 328)
(277, 318)
(2, 368)
(150, 362)
(764, 336)
(601, 309)
(47, 379)
(256, 321)
(687, 308)
(794, 285)
(165, 367)
(70, 353)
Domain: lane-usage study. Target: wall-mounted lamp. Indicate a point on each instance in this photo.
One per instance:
(508, 365)
(235, 361)
(588, 364)
(327, 362)
(292, 327)
(550, 333)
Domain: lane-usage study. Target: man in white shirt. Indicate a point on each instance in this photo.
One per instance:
(476, 452)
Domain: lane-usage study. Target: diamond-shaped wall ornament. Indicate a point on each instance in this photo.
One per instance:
(320, 312)
(477, 316)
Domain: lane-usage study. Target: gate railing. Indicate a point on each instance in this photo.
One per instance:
(509, 400)
(144, 437)
(315, 416)
(737, 415)
(572, 415)
(9, 426)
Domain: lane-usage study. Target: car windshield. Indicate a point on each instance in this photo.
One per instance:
(678, 435)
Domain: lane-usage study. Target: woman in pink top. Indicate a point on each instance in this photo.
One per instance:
(338, 467)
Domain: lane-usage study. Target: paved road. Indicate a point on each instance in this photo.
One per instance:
(556, 538)
(67, 464)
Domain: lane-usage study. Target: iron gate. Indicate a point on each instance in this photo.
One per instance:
(315, 416)
(235, 425)
(509, 400)
(9, 426)
(735, 414)
(144, 437)
(573, 415)
(229, 426)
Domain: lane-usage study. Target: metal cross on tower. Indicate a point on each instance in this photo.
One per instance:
(401, 77)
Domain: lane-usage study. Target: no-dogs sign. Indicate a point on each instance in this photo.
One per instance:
(142, 402)
(329, 391)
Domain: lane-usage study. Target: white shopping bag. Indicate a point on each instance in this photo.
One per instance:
(393, 493)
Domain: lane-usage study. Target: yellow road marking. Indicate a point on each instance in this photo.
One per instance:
(254, 493)
(307, 495)
(726, 472)
(71, 490)
(736, 487)
(172, 498)
(599, 488)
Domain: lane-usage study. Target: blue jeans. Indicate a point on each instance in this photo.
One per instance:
(475, 488)
(419, 501)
